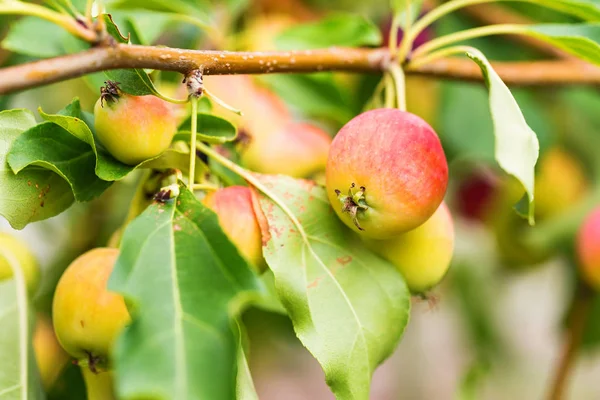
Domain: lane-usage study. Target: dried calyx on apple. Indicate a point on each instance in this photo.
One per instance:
(386, 173)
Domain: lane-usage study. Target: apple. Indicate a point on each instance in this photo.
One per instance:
(386, 173)
(49, 355)
(27, 261)
(87, 317)
(233, 206)
(588, 249)
(422, 255)
(133, 128)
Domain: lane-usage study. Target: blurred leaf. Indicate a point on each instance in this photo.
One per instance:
(35, 37)
(400, 8)
(184, 282)
(580, 40)
(50, 146)
(149, 25)
(19, 378)
(69, 386)
(245, 389)
(471, 383)
(34, 194)
(315, 95)
(211, 129)
(516, 144)
(343, 30)
(349, 307)
(587, 10)
(195, 8)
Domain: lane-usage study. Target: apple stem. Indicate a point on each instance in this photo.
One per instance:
(389, 90)
(193, 138)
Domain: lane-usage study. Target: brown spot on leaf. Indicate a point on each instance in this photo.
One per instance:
(344, 260)
(176, 227)
(29, 183)
(42, 203)
(314, 283)
(261, 218)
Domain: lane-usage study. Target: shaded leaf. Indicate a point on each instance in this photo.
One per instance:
(35, 37)
(348, 306)
(184, 282)
(34, 194)
(211, 129)
(516, 144)
(344, 30)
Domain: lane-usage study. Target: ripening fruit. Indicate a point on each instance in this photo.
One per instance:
(422, 255)
(263, 112)
(560, 182)
(296, 149)
(26, 260)
(233, 206)
(50, 357)
(87, 317)
(386, 173)
(588, 249)
(133, 128)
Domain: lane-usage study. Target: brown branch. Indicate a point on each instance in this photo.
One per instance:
(578, 318)
(120, 56)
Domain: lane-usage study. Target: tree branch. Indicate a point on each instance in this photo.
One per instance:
(120, 56)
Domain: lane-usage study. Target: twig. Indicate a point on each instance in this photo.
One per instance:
(57, 69)
(577, 323)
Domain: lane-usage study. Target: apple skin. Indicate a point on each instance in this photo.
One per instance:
(135, 128)
(233, 206)
(49, 355)
(398, 158)
(588, 249)
(26, 259)
(87, 317)
(99, 385)
(297, 149)
(560, 183)
(422, 255)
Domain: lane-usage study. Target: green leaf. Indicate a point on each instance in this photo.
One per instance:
(107, 168)
(19, 378)
(400, 8)
(344, 30)
(316, 95)
(245, 389)
(198, 9)
(516, 144)
(185, 283)
(34, 194)
(211, 129)
(35, 37)
(348, 306)
(49, 146)
(581, 40)
(587, 10)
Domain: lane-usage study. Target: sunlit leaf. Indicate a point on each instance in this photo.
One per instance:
(516, 144)
(348, 306)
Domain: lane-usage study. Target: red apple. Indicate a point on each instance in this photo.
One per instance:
(588, 249)
(386, 173)
(233, 206)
